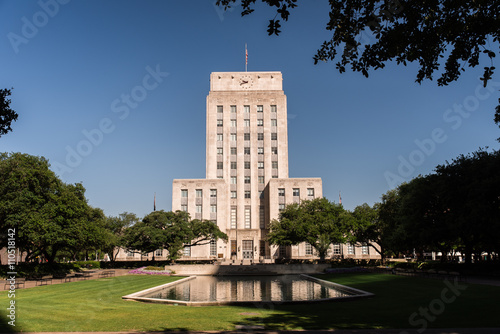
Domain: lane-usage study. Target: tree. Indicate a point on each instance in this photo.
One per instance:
(368, 34)
(115, 229)
(318, 222)
(7, 115)
(49, 216)
(472, 200)
(457, 208)
(370, 230)
(171, 231)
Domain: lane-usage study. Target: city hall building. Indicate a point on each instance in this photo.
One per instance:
(247, 181)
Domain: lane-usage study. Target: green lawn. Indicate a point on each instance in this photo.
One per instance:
(96, 305)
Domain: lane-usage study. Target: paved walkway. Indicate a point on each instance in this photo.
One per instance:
(122, 272)
(95, 275)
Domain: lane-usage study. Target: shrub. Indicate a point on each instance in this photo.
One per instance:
(88, 264)
(154, 268)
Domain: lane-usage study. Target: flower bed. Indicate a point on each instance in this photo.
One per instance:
(144, 271)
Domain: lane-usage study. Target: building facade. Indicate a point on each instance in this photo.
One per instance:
(247, 181)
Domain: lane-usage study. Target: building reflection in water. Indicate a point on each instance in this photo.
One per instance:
(248, 288)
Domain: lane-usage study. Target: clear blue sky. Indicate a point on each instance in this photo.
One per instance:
(73, 66)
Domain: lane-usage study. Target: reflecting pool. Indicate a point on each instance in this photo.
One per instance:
(217, 290)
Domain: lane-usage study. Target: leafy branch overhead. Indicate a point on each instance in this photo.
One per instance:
(367, 34)
(442, 36)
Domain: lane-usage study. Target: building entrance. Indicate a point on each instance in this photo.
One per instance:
(233, 248)
(247, 249)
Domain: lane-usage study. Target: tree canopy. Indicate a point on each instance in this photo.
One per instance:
(49, 216)
(441, 36)
(457, 208)
(115, 232)
(171, 231)
(7, 115)
(318, 222)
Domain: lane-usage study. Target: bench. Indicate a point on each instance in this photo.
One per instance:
(44, 280)
(69, 277)
(106, 273)
(17, 283)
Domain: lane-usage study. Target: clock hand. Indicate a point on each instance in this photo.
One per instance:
(243, 82)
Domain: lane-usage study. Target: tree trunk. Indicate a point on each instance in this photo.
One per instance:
(468, 254)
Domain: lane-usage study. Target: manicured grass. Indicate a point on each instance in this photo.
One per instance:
(96, 305)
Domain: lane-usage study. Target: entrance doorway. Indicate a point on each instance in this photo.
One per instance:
(247, 249)
(233, 249)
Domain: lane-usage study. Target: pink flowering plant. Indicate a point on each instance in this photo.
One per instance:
(150, 271)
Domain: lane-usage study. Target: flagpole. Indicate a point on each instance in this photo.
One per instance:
(154, 203)
(246, 58)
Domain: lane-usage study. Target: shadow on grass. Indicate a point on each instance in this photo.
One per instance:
(6, 324)
(396, 299)
(176, 329)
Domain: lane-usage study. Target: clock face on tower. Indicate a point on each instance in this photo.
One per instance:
(245, 82)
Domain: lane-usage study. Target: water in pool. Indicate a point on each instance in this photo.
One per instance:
(249, 288)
